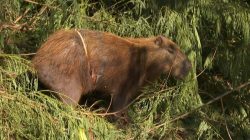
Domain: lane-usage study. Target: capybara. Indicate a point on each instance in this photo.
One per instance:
(76, 62)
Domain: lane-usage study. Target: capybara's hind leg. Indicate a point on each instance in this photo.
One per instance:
(70, 96)
(69, 90)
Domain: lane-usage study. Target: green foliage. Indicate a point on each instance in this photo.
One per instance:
(214, 34)
(26, 113)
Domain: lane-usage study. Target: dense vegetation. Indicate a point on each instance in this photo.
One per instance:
(212, 103)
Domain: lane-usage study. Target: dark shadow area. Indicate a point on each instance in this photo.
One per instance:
(97, 100)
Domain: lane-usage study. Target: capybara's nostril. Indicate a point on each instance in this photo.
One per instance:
(188, 65)
(186, 68)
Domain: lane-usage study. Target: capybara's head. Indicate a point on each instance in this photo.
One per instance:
(175, 61)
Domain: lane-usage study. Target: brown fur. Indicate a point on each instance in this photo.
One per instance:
(114, 65)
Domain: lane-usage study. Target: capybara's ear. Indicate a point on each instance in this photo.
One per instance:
(159, 40)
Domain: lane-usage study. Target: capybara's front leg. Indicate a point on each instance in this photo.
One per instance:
(120, 103)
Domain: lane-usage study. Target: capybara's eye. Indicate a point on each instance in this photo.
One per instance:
(171, 49)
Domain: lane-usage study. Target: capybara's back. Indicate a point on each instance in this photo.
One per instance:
(76, 62)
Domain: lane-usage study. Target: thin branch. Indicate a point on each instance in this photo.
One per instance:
(26, 54)
(206, 67)
(30, 1)
(223, 110)
(36, 17)
(13, 26)
(34, 2)
(111, 100)
(20, 17)
(212, 101)
(208, 103)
